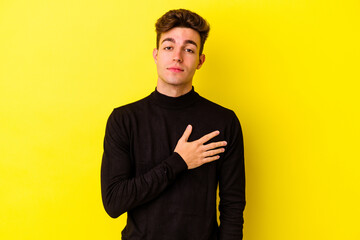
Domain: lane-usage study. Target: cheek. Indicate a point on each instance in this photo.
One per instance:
(194, 64)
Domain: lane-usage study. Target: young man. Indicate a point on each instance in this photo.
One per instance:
(166, 178)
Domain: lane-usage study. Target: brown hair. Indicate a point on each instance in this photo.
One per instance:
(182, 18)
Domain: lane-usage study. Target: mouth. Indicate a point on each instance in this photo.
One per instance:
(175, 69)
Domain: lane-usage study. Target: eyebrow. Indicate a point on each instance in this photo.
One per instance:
(173, 41)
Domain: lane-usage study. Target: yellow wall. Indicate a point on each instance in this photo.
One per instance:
(289, 69)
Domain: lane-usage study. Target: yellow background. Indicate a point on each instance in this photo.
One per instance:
(289, 69)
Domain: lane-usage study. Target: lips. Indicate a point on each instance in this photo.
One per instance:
(175, 69)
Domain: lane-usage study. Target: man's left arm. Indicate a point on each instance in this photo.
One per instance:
(232, 185)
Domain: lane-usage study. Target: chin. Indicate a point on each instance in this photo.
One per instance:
(176, 82)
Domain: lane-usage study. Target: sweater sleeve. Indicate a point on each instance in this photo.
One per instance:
(121, 190)
(232, 185)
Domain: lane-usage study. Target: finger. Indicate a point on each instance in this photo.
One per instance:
(213, 152)
(211, 159)
(187, 133)
(208, 136)
(214, 145)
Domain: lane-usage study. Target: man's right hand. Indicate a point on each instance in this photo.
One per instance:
(196, 153)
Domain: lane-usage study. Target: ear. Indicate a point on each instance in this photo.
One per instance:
(201, 61)
(155, 53)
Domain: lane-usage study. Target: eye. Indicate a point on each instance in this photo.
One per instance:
(167, 48)
(189, 50)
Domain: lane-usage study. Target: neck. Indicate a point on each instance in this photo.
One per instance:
(173, 91)
(180, 102)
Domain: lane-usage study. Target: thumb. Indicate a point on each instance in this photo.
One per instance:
(187, 133)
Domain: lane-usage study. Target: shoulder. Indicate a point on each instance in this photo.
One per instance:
(130, 108)
(124, 115)
(217, 109)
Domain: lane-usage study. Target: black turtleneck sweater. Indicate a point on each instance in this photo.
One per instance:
(143, 176)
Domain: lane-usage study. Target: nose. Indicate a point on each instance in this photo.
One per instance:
(177, 56)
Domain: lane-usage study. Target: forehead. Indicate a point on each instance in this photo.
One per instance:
(181, 34)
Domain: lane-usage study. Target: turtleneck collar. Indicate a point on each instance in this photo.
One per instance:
(182, 101)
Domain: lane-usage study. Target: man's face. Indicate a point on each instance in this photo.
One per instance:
(178, 58)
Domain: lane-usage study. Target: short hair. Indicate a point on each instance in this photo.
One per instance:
(182, 18)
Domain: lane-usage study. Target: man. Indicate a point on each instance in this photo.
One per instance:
(166, 178)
